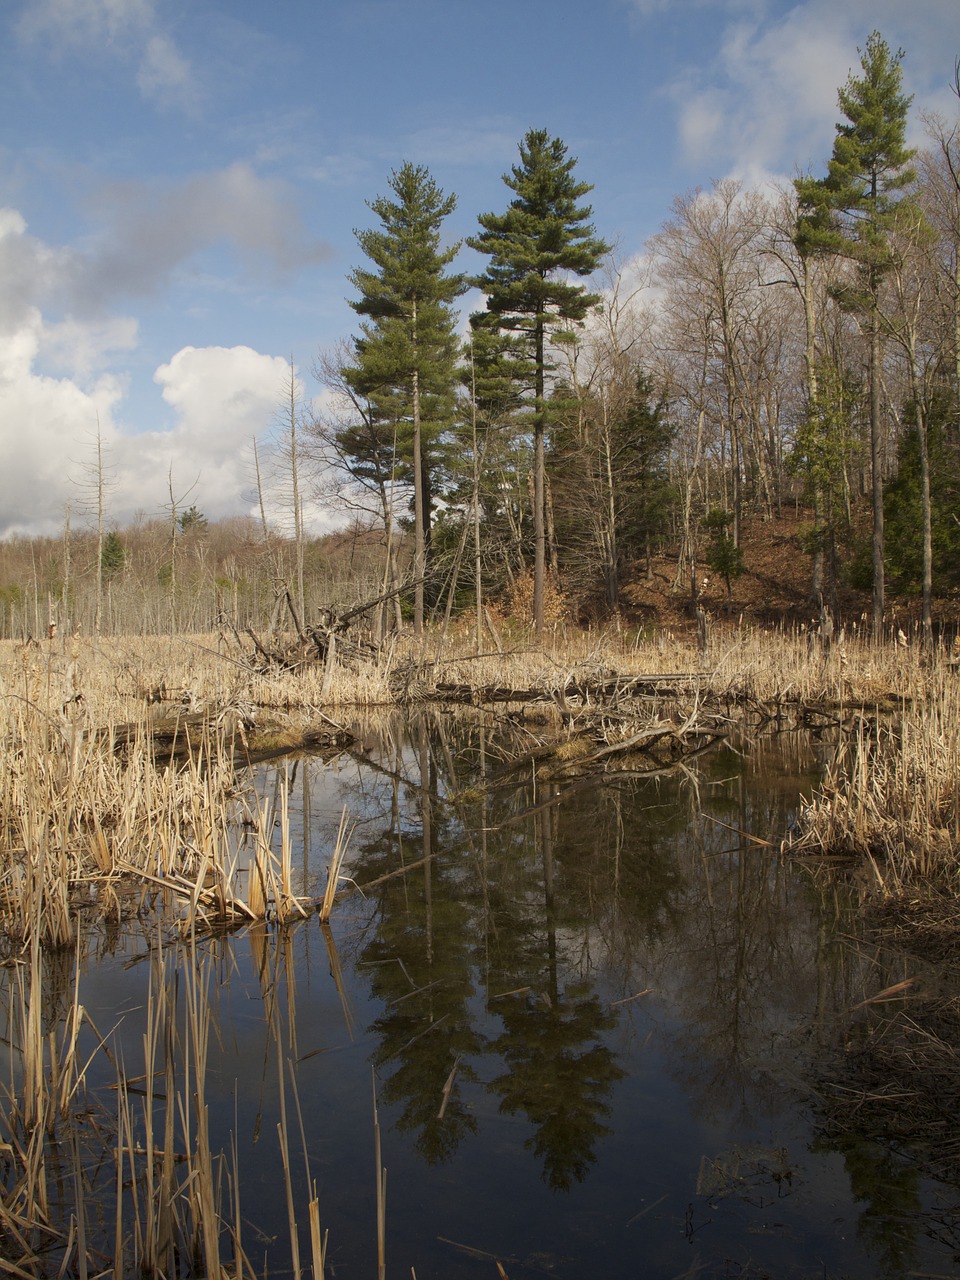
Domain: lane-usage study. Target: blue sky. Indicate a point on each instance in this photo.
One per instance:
(180, 181)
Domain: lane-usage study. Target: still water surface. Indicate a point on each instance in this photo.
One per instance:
(592, 1015)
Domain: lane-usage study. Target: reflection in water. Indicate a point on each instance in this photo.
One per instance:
(420, 960)
(559, 1073)
(589, 1016)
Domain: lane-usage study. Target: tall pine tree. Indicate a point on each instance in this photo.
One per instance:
(852, 212)
(543, 239)
(405, 366)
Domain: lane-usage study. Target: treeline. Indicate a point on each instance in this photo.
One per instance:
(768, 347)
(163, 577)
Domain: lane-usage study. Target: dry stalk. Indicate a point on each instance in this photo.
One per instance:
(344, 832)
(892, 795)
(381, 1188)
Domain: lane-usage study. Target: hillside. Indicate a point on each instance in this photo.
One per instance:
(773, 590)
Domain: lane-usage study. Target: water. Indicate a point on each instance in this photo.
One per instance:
(591, 1015)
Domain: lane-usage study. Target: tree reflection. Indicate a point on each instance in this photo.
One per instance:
(559, 1074)
(890, 1223)
(559, 1071)
(420, 960)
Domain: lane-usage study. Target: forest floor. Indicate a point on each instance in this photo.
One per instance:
(773, 590)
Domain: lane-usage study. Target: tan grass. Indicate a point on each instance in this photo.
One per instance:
(891, 796)
(86, 798)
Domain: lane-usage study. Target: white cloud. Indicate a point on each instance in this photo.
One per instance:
(471, 146)
(165, 75)
(149, 230)
(81, 22)
(58, 371)
(221, 398)
(79, 349)
(153, 228)
(772, 88)
(47, 422)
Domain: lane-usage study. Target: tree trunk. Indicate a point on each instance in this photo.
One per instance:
(877, 478)
(926, 517)
(810, 366)
(539, 474)
(419, 545)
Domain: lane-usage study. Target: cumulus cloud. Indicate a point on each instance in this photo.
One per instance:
(219, 398)
(46, 421)
(59, 383)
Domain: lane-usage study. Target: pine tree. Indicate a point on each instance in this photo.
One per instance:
(852, 211)
(542, 239)
(405, 358)
(113, 555)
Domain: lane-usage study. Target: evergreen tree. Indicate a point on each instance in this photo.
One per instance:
(642, 459)
(608, 467)
(723, 555)
(823, 447)
(113, 555)
(542, 239)
(903, 502)
(405, 356)
(192, 520)
(852, 211)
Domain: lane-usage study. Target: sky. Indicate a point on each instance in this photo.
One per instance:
(180, 181)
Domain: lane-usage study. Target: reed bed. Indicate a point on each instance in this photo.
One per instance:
(88, 805)
(136, 1189)
(93, 817)
(891, 795)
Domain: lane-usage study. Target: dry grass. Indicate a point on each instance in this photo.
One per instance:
(138, 1184)
(891, 797)
(80, 818)
(91, 813)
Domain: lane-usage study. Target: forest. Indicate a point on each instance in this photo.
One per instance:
(598, 421)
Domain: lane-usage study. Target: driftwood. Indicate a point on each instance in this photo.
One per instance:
(605, 744)
(325, 642)
(183, 734)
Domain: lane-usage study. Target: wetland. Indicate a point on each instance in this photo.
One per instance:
(556, 1031)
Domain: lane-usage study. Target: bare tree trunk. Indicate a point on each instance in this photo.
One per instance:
(477, 563)
(926, 515)
(419, 545)
(876, 461)
(173, 549)
(295, 479)
(613, 575)
(539, 474)
(810, 364)
(66, 565)
(98, 615)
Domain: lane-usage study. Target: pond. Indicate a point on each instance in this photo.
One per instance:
(580, 1021)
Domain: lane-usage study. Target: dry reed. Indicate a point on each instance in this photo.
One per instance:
(89, 806)
(891, 796)
(87, 800)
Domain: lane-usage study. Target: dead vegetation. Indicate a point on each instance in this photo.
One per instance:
(122, 793)
(891, 796)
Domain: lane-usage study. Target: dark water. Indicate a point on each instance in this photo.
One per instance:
(616, 1000)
